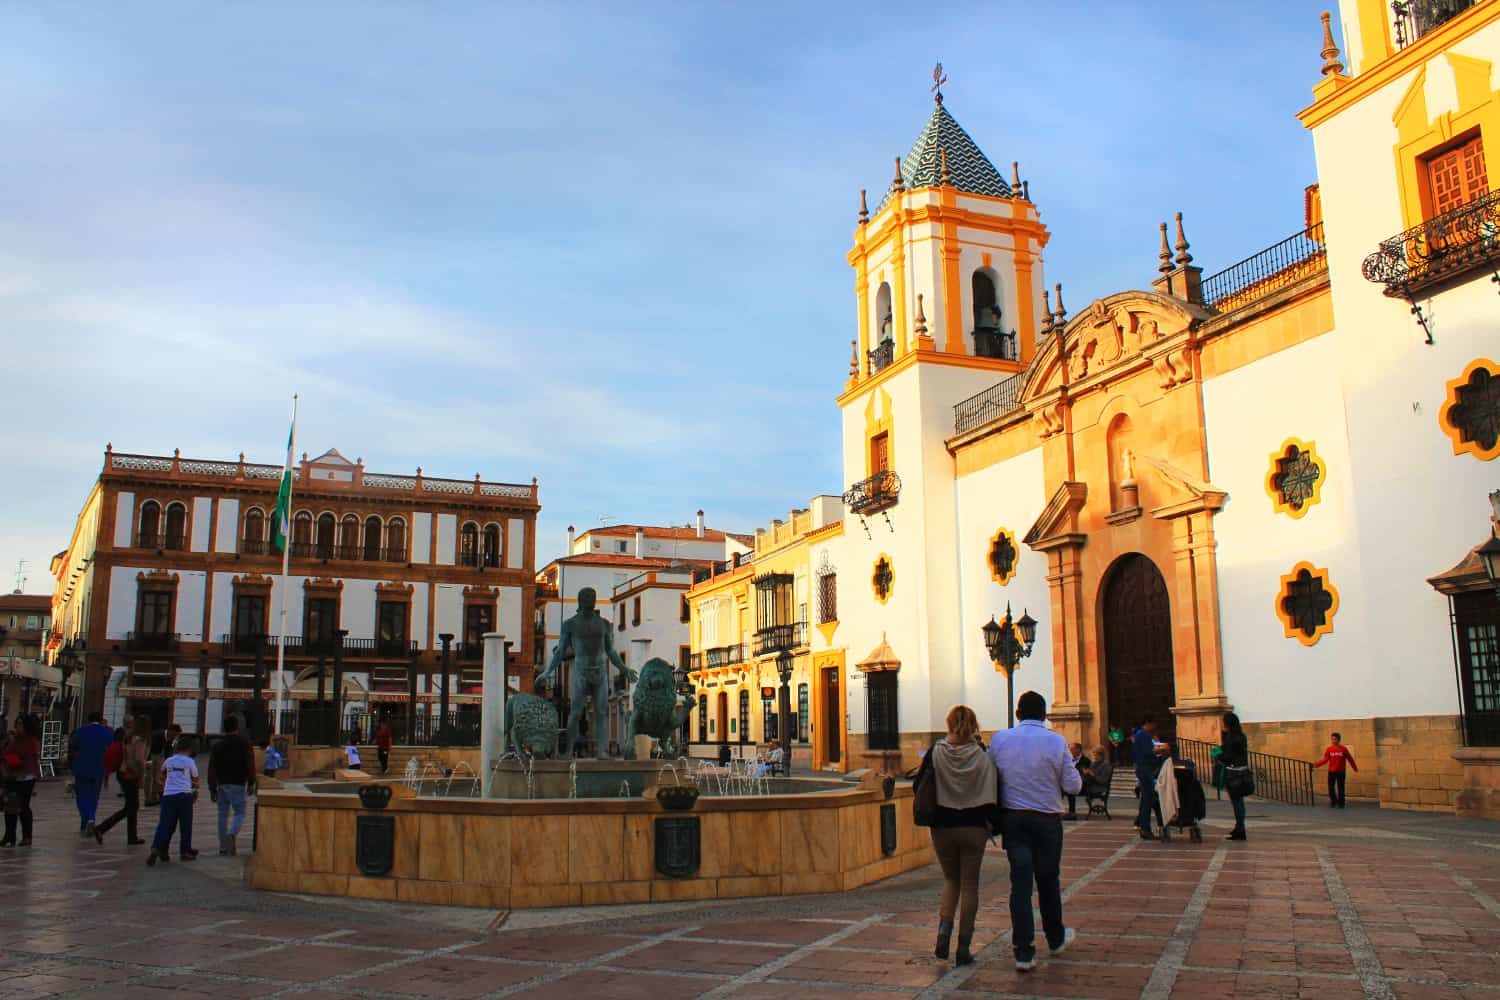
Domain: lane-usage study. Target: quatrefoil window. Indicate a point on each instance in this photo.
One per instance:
(1471, 413)
(883, 579)
(1307, 603)
(1003, 557)
(1295, 482)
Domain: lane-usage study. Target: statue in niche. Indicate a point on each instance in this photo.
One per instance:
(592, 642)
(1127, 466)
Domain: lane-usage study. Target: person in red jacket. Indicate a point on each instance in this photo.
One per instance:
(383, 745)
(1338, 758)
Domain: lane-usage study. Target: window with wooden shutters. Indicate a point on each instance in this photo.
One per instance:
(880, 453)
(1457, 176)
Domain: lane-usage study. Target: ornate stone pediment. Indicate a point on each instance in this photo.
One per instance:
(1114, 331)
(1189, 493)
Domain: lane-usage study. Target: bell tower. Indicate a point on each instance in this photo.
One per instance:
(949, 304)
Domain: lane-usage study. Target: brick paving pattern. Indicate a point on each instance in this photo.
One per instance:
(1317, 904)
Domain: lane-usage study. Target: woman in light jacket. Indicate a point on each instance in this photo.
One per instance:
(967, 815)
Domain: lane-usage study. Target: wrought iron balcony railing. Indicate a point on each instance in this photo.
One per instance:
(152, 642)
(991, 404)
(724, 656)
(1270, 270)
(882, 355)
(775, 638)
(159, 540)
(1458, 242)
(468, 652)
(871, 496)
(1415, 18)
(255, 546)
(994, 343)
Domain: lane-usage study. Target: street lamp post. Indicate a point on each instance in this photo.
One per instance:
(784, 671)
(446, 638)
(684, 690)
(67, 663)
(1009, 642)
(1489, 552)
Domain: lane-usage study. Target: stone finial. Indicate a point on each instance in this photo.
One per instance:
(1330, 51)
(897, 184)
(1046, 312)
(1183, 258)
(945, 179)
(1026, 191)
(921, 318)
(854, 359)
(1015, 176)
(1165, 254)
(1060, 317)
(864, 208)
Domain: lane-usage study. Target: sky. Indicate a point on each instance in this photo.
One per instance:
(598, 244)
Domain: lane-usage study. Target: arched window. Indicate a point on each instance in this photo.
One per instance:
(884, 350)
(349, 537)
(302, 532)
(150, 534)
(176, 533)
(492, 545)
(372, 538)
(255, 532)
(468, 545)
(990, 338)
(325, 535)
(395, 540)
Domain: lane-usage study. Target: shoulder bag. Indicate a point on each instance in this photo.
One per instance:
(924, 794)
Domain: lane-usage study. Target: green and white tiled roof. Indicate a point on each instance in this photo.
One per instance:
(968, 168)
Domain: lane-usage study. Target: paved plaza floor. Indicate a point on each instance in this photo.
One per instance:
(1316, 904)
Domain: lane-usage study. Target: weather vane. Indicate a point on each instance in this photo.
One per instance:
(938, 79)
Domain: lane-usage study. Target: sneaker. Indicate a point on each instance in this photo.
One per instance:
(1025, 964)
(1068, 936)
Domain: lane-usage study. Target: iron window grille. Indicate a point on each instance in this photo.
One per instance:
(881, 697)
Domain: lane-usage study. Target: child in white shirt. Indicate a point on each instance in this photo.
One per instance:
(179, 774)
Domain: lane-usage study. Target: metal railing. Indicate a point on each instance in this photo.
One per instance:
(325, 550)
(1270, 270)
(1415, 18)
(1464, 239)
(468, 652)
(153, 642)
(991, 404)
(775, 638)
(882, 356)
(724, 656)
(159, 540)
(1284, 779)
(875, 494)
(992, 343)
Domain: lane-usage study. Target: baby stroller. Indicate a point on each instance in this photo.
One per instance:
(1180, 799)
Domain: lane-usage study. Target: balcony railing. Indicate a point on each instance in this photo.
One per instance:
(775, 638)
(255, 547)
(1458, 242)
(724, 656)
(159, 540)
(1415, 18)
(468, 652)
(152, 642)
(994, 343)
(486, 559)
(991, 404)
(882, 355)
(1268, 271)
(323, 550)
(871, 496)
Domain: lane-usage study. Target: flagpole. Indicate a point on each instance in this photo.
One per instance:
(286, 552)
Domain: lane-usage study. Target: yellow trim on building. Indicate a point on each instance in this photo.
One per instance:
(1460, 446)
(995, 574)
(1288, 626)
(1420, 136)
(1308, 448)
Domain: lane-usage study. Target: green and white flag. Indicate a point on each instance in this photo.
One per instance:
(282, 521)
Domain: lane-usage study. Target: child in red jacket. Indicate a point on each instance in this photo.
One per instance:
(1337, 757)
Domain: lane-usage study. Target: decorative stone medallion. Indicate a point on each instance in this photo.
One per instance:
(1003, 556)
(1307, 603)
(1295, 482)
(883, 579)
(679, 849)
(374, 844)
(1471, 413)
(888, 829)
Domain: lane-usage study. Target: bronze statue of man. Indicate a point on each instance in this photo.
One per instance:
(592, 640)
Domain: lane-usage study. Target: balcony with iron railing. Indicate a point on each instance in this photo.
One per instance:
(991, 404)
(882, 356)
(992, 342)
(1415, 18)
(1261, 274)
(878, 493)
(724, 656)
(1460, 242)
(776, 638)
(473, 557)
(327, 551)
(152, 642)
(160, 540)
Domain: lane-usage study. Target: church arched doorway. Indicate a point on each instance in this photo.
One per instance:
(1136, 623)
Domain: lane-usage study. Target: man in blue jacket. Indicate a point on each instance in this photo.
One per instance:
(87, 749)
(1143, 751)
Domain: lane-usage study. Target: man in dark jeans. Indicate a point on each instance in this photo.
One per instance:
(231, 776)
(1036, 770)
(1147, 760)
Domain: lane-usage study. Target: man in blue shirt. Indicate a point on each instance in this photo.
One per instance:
(1143, 751)
(1036, 769)
(87, 746)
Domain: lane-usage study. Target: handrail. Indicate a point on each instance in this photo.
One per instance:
(999, 399)
(1462, 239)
(1284, 779)
(1415, 18)
(1269, 270)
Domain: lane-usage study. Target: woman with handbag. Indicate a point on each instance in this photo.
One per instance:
(965, 814)
(133, 763)
(1234, 757)
(20, 765)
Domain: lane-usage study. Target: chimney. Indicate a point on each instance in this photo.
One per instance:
(570, 541)
(700, 524)
(640, 543)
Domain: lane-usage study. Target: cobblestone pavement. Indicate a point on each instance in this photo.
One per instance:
(1316, 904)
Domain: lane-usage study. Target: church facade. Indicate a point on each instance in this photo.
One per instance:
(1214, 492)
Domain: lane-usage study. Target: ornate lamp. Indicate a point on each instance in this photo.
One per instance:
(1489, 552)
(1009, 641)
(784, 730)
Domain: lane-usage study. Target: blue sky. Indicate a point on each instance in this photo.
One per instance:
(601, 244)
